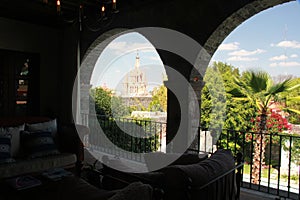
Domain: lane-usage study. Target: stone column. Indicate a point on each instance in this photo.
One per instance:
(181, 103)
(85, 102)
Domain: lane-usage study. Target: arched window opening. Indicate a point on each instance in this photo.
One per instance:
(258, 63)
(128, 97)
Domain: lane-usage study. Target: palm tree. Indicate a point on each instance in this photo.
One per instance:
(258, 88)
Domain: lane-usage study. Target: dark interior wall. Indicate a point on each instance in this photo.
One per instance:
(68, 72)
(19, 36)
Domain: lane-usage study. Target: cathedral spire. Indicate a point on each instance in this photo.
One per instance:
(137, 60)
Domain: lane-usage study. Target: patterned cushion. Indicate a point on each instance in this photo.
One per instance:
(15, 137)
(5, 148)
(38, 144)
(43, 126)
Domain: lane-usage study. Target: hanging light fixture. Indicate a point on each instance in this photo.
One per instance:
(92, 19)
(58, 6)
(114, 6)
(103, 11)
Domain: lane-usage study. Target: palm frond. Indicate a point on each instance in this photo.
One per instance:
(279, 87)
(240, 98)
(235, 92)
(293, 99)
(293, 87)
(293, 110)
(242, 88)
(258, 81)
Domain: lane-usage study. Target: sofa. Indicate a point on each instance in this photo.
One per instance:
(75, 188)
(189, 177)
(34, 144)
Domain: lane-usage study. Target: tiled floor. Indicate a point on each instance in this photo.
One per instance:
(247, 194)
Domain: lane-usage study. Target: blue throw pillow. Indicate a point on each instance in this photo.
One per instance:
(5, 148)
(38, 144)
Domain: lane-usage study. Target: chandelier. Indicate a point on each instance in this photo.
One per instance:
(93, 15)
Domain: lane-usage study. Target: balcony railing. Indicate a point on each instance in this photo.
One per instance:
(145, 136)
(278, 172)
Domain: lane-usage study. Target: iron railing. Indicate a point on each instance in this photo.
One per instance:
(279, 170)
(129, 134)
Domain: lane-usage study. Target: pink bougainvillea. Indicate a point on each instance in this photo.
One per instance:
(276, 122)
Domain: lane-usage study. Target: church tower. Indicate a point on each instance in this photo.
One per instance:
(135, 82)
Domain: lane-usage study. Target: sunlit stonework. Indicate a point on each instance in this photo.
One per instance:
(135, 82)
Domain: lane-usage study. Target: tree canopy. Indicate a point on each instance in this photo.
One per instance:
(159, 99)
(108, 104)
(238, 114)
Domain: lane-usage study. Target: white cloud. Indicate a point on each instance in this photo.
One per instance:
(289, 44)
(276, 58)
(273, 64)
(125, 47)
(294, 56)
(155, 58)
(241, 58)
(229, 46)
(246, 53)
(285, 64)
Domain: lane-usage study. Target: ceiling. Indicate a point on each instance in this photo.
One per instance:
(44, 12)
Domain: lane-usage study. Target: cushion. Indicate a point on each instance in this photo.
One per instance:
(134, 191)
(26, 166)
(38, 144)
(15, 137)
(43, 126)
(5, 148)
(189, 158)
(154, 159)
(201, 173)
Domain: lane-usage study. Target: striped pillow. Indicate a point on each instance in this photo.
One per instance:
(38, 144)
(15, 138)
(5, 148)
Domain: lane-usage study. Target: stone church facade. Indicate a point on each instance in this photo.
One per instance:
(135, 87)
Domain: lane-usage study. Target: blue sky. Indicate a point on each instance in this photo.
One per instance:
(268, 41)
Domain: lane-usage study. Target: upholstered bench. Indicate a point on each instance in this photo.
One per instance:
(45, 145)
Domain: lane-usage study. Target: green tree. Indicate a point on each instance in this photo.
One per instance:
(107, 104)
(237, 115)
(292, 102)
(258, 88)
(159, 99)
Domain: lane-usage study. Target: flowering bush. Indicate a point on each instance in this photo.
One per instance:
(275, 123)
